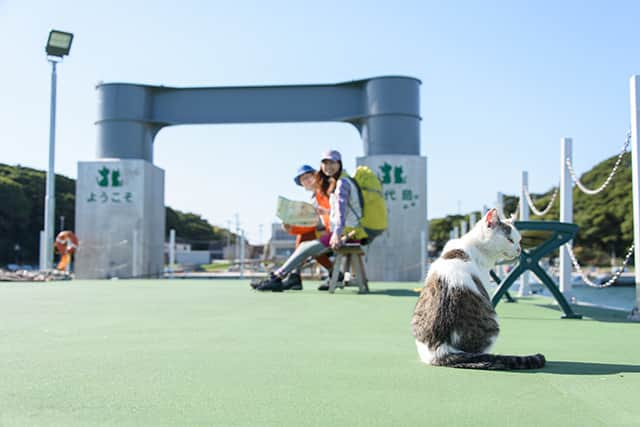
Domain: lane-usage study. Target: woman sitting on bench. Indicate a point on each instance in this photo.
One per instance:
(344, 212)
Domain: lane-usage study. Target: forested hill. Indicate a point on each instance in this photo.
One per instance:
(22, 193)
(605, 219)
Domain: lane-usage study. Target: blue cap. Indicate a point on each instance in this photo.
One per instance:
(301, 171)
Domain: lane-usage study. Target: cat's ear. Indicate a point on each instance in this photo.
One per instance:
(492, 218)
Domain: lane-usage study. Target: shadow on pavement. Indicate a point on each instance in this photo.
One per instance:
(596, 313)
(583, 368)
(395, 292)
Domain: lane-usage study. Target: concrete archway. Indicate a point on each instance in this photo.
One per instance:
(120, 196)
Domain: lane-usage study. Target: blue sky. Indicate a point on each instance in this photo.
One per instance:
(502, 82)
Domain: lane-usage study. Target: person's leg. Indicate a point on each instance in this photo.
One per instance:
(312, 248)
(305, 237)
(302, 252)
(325, 261)
(325, 286)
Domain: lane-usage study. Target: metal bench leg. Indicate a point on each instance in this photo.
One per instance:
(506, 284)
(506, 293)
(548, 282)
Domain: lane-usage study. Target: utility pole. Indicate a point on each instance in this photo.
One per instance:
(237, 251)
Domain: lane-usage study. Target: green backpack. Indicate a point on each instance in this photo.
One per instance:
(374, 209)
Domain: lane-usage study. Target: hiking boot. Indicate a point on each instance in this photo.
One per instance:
(274, 284)
(293, 282)
(325, 285)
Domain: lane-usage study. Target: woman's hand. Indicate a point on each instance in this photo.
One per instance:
(335, 242)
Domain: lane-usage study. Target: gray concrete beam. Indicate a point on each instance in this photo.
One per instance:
(385, 110)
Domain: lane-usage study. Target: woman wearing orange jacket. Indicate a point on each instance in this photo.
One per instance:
(345, 208)
(306, 177)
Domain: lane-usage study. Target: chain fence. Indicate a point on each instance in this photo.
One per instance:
(592, 192)
(588, 191)
(586, 278)
(533, 206)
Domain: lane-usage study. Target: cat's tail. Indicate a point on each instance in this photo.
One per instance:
(490, 361)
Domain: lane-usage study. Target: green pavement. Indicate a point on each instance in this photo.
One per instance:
(215, 353)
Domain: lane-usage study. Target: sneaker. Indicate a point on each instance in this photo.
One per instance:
(325, 285)
(257, 281)
(274, 284)
(293, 281)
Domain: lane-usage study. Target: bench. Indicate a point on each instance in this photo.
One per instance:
(349, 260)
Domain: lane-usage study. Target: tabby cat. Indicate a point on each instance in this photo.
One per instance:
(454, 322)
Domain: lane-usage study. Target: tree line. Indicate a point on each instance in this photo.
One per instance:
(22, 191)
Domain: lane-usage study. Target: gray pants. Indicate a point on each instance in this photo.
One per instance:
(310, 248)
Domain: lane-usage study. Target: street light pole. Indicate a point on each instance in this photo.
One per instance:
(58, 45)
(50, 198)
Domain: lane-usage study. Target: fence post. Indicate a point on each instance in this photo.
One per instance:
(566, 215)
(241, 254)
(635, 123)
(172, 250)
(524, 216)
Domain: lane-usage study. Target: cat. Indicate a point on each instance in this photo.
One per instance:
(454, 322)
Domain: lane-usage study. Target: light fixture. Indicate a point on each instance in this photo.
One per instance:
(59, 43)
